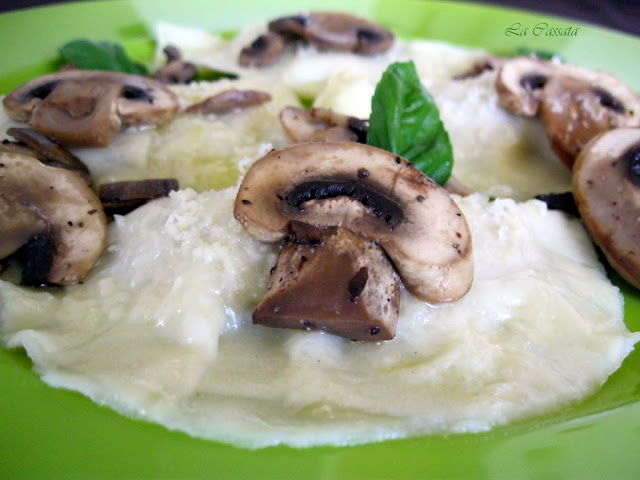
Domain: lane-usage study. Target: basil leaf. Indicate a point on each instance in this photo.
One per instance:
(405, 120)
(89, 55)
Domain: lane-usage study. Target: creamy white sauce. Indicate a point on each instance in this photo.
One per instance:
(161, 329)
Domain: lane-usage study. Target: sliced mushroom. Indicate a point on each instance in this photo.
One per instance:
(335, 31)
(321, 124)
(263, 51)
(333, 280)
(36, 199)
(520, 82)
(575, 104)
(228, 101)
(176, 70)
(88, 108)
(123, 197)
(574, 110)
(49, 152)
(371, 192)
(606, 187)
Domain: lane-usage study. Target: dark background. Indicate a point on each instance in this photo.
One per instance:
(623, 15)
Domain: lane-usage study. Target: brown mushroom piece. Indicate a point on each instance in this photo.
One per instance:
(49, 152)
(55, 211)
(229, 101)
(123, 197)
(373, 193)
(333, 280)
(606, 188)
(574, 103)
(321, 124)
(263, 51)
(176, 71)
(89, 107)
(335, 31)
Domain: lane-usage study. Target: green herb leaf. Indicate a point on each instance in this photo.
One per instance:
(405, 120)
(90, 55)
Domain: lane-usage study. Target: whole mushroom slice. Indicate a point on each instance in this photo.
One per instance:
(574, 110)
(49, 152)
(89, 107)
(574, 103)
(56, 204)
(606, 188)
(335, 31)
(519, 84)
(321, 124)
(229, 101)
(371, 192)
(333, 280)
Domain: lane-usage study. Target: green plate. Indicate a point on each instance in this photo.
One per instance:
(48, 433)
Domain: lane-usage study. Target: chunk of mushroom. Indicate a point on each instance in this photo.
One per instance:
(575, 104)
(57, 205)
(123, 197)
(371, 192)
(333, 280)
(606, 188)
(87, 107)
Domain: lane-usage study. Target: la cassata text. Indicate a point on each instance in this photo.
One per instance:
(541, 29)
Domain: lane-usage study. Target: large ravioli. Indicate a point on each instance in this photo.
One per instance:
(162, 330)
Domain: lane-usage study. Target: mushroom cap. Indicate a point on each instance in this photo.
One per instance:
(606, 187)
(336, 31)
(55, 201)
(88, 107)
(371, 192)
